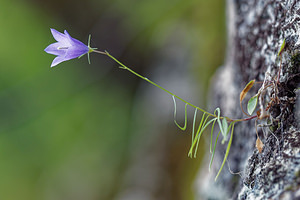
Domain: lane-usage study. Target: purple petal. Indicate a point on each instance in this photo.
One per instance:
(68, 36)
(58, 36)
(66, 33)
(75, 42)
(75, 51)
(58, 60)
(53, 49)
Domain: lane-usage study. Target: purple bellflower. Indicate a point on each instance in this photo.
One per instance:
(66, 47)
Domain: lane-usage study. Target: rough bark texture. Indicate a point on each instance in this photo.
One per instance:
(256, 30)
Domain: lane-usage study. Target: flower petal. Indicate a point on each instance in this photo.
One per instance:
(58, 36)
(76, 42)
(53, 49)
(75, 52)
(58, 60)
(68, 36)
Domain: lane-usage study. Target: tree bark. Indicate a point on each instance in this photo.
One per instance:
(256, 31)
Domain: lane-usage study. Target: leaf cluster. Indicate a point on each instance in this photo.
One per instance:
(206, 120)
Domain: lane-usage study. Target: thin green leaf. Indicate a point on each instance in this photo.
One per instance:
(202, 126)
(196, 137)
(252, 103)
(200, 133)
(185, 115)
(282, 47)
(194, 122)
(218, 119)
(211, 135)
(227, 131)
(224, 127)
(227, 151)
(213, 153)
(218, 111)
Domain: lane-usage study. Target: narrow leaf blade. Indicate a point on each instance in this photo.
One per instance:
(213, 153)
(227, 152)
(219, 120)
(211, 135)
(185, 116)
(246, 90)
(282, 47)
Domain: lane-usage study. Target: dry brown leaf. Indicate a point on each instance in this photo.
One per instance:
(246, 89)
(258, 114)
(259, 145)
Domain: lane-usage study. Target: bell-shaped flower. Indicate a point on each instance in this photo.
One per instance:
(66, 47)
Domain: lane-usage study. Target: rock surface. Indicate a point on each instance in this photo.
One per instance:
(256, 31)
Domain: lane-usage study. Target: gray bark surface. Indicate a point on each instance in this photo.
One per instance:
(256, 30)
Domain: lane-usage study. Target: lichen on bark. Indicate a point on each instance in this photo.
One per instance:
(256, 30)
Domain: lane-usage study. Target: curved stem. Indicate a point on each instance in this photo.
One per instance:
(151, 82)
(167, 91)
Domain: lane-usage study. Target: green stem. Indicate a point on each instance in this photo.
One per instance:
(151, 82)
(160, 87)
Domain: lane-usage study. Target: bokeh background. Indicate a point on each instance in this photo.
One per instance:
(93, 132)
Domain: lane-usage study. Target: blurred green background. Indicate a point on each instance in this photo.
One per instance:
(78, 131)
